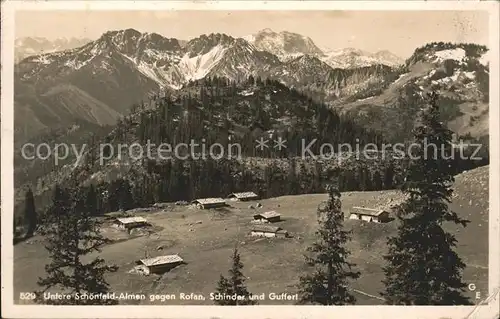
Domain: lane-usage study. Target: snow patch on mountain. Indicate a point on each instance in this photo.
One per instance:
(152, 73)
(485, 58)
(197, 67)
(249, 38)
(470, 75)
(43, 59)
(457, 54)
(400, 77)
(75, 65)
(455, 77)
(365, 99)
(354, 58)
(159, 75)
(431, 73)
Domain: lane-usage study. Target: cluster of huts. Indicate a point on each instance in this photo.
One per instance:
(258, 229)
(216, 202)
(161, 264)
(262, 229)
(262, 226)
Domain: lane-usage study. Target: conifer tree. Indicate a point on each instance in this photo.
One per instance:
(71, 235)
(125, 195)
(327, 285)
(174, 186)
(368, 180)
(292, 178)
(389, 176)
(234, 285)
(91, 200)
(377, 181)
(316, 184)
(423, 268)
(30, 216)
(362, 178)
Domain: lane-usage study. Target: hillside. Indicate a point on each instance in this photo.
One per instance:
(218, 111)
(209, 110)
(458, 72)
(205, 239)
(35, 171)
(316, 79)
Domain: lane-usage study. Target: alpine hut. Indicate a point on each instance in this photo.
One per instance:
(161, 264)
(267, 217)
(131, 222)
(268, 231)
(207, 203)
(244, 196)
(370, 214)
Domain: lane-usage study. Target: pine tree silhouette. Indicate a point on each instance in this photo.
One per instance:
(328, 284)
(234, 285)
(30, 215)
(71, 234)
(423, 268)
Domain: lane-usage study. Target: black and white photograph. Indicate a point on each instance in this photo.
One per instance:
(219, 154)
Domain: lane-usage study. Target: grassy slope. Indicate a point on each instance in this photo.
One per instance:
(271, 265)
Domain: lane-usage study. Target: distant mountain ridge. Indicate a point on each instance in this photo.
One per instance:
(99, 81)
(459, 73)
(288, 45)
(27, 46)
(283, 44)
(122, 67)
(349, 58)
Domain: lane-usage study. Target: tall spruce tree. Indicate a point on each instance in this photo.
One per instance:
(71, 235)
(377, 181)
(327, 285)
(234, 285)
(423, 268)
(91, 200)
(389, 176)
(292, 185)
(30, 216)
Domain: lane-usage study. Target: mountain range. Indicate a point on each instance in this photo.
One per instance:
(27, 46)
(98, 81)
(288, 45)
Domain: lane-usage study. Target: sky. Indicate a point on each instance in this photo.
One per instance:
(397, 31)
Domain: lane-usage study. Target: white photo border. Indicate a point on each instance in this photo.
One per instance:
(11, 310)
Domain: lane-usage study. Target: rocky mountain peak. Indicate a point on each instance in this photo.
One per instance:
(283, 43)
(266, 30)
(158, 42)
(205, 43)
(306, 59)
